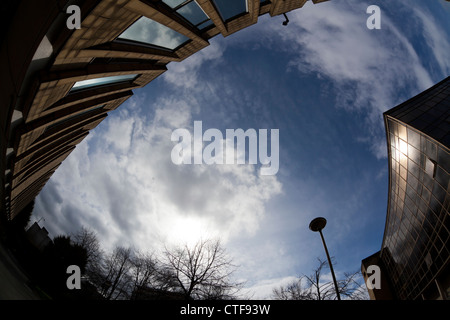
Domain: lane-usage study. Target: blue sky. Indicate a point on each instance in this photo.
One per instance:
(323, 81)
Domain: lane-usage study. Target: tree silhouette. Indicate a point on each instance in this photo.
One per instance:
(313, 287)
(116, 279)
(202, 271)
(56, 258)
(182, 272)
(87, 239)
(144, 273)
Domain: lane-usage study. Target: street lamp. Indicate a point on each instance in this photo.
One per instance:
(318, 224)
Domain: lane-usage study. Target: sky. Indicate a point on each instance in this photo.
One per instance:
(323, 81)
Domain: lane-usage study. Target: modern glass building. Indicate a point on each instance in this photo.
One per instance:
(414, 258)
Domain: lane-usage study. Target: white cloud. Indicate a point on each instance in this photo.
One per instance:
(436, 38)
(141, 197)
(128, 190)
(372, 70)
(119, 133)
(185, 74)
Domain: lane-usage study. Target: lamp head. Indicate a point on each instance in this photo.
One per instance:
(317, 224)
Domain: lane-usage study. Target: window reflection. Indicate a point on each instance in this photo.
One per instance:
(151, 32)
(230, 8)
(102, 81)
(173, 3)
(403, 146)
(191, 11)
(413, 154)
(402, 131)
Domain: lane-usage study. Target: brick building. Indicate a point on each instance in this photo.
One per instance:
(60, 83)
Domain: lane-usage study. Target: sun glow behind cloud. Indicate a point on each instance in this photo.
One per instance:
(188, 230)
(127, 182)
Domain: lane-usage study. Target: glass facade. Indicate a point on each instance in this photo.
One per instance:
(416, 246)
(85, 84)
(149, 32)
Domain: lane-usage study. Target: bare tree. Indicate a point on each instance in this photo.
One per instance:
(293, 291)
(313, 287)
(116, 274)
(166, 279)
(87, 239)
(95, 263)
(143, 273)
(199, 272)
(202, 271)
(319, 290)
(353, 287)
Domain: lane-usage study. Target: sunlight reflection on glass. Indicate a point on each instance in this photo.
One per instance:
(403, 146)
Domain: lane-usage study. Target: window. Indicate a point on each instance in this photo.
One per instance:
(102, 81)
(230, 8)
(173, 3)
(150, 32)
(191, 11)
(430, 167)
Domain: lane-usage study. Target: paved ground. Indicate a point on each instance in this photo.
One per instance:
(13, 282)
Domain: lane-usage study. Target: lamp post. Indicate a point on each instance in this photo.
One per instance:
(318, 224)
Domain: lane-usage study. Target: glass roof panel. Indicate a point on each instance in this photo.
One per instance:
(193, 13)
(151, 32)
(230, 8)
(173, 3)
(205, 24)
(102, 81)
